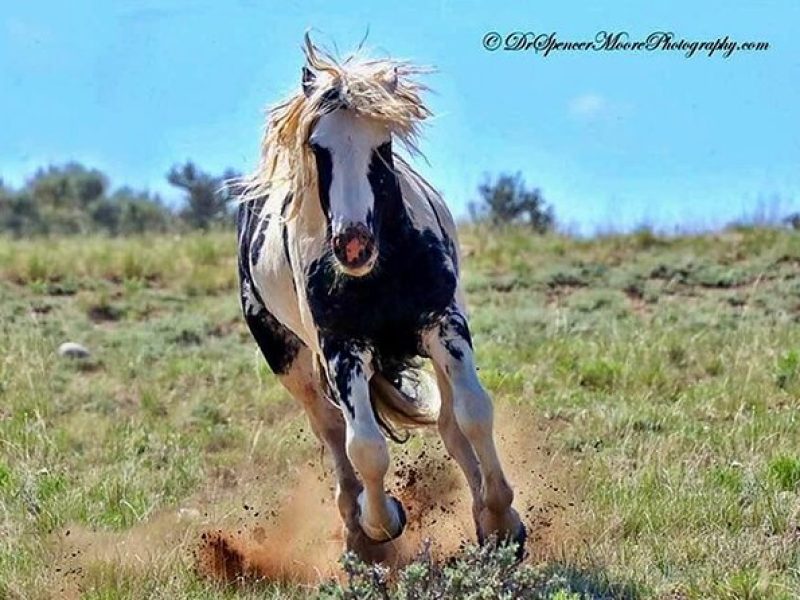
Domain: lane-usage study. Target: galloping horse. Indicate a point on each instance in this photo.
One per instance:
(349, 272)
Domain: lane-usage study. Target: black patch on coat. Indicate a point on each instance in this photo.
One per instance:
(247, 221)
(285, 236)
(409, 290)
(345, 355)
(258, 239)
(454, 328)
(285, 230)
(448, 241)
(324, 162)
(278, 345)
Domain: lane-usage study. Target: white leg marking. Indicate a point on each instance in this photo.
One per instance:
(380, 518)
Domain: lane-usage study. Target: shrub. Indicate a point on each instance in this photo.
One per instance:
(785, 471)
(476, 573)
(787, 368)
(507, 200)
(599, 375)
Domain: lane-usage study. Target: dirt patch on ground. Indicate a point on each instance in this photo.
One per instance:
(557, 294)
(104, 313)
(304, 540)
(544, 490)
(298, 542)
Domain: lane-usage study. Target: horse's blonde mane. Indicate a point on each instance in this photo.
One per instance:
(383, 90)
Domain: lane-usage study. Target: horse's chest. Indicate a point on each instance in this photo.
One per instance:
(413, 285)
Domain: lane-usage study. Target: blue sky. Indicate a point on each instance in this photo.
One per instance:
(614, 139)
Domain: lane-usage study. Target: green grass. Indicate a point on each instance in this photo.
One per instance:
(663, 374)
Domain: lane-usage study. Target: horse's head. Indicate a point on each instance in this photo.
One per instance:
(353, 154)
(334, 140)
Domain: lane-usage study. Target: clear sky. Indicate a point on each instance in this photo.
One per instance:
(614, 139)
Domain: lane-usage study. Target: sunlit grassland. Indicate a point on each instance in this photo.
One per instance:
(665, 372)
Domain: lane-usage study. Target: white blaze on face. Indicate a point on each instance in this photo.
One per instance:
(351, 140)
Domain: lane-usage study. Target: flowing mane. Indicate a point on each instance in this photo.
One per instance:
(358, 83)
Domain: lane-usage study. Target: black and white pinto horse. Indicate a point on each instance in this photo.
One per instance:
(349, 273)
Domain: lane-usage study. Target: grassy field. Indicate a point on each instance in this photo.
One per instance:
(661, 376)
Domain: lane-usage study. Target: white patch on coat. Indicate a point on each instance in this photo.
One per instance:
(350, 139)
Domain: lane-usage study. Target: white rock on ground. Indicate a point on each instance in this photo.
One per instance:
(188, 514)
(73, 350)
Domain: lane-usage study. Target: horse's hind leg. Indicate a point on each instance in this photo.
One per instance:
(457, 444)
(449, 346)
(293, 363)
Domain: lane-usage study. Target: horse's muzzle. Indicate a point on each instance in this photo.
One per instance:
(354, 248)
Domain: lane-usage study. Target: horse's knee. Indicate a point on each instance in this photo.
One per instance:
(473, 411)
(369, 455)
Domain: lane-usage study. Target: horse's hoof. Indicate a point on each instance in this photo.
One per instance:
(515, 533)
(380, 535)
(401, 513)
(519, 538)
(366, 549)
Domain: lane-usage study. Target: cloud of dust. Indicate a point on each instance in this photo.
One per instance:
(304, 542)
(297, 537)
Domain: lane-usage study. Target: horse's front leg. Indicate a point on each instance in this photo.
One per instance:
(349, 369)
(449, 346)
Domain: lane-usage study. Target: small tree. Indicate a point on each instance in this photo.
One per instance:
(206, 195)
(507, 200)
(128, 211)
(793, 220)
(18, 214)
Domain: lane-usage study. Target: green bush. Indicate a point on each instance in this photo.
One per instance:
(787, 368)
(486, 572)
(599, 375)
(785, 471)
(507, 200)
(75, 200)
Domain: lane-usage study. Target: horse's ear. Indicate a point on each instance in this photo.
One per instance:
(390, 80)
(309, 79)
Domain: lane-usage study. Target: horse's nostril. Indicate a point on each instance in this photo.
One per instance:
(354, 247)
